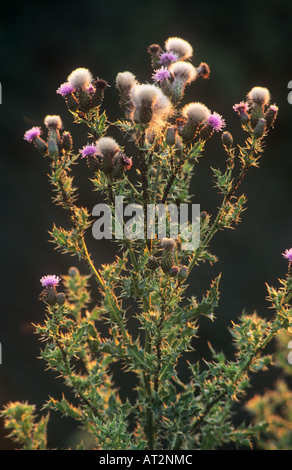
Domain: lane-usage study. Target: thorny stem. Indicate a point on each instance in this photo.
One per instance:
(171, 180)
(145, 188)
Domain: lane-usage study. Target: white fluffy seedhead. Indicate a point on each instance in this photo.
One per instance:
(150, 97)
(259, 95)
(196, 112)
(180, 47)
(107, 146)
(168, 243)
(125, 81)
(53, 122)
(80, 78)
(183, 70)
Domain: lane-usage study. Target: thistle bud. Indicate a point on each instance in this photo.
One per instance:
(167, 259)
(154, 50)
(152, 263)
(73, 272)
(183, 273)
(203, 70)
(173, 271)
(227, 139)
(171, 135)
(259, 128)
(41, 145)
(67, 142)
(61, 299)
(271, 115)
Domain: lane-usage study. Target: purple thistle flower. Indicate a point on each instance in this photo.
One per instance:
(89, 150)
(241, 108)
(65, 89)
(216, 122)
(161, 74)
(32, 133)
(167, 58)
(288, 254)
(50, 281)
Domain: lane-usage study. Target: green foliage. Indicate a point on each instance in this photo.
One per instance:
(147, 282)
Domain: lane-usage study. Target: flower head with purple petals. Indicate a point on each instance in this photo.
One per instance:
(288, 254)
(167, 58)
(216, 122)
(50, 281)
(240, 108)
(161, 74)
(32, 133)
(89, 150)
(65, 89)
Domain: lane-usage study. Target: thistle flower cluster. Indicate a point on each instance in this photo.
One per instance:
(150, 275)
(50, 294)
(256, 111)
(81, 92)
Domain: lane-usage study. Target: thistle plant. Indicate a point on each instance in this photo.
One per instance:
(161, 139)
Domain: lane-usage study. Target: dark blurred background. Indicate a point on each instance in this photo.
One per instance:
(245, 44)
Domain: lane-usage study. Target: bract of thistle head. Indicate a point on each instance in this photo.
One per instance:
(288, 254)
(54, 122)
(196, 112)
(180, 47)
(32, 134)
(107, 146)
(125, 81)
(80, 78)
(183, 71)
(50, 280)
(259, 96)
